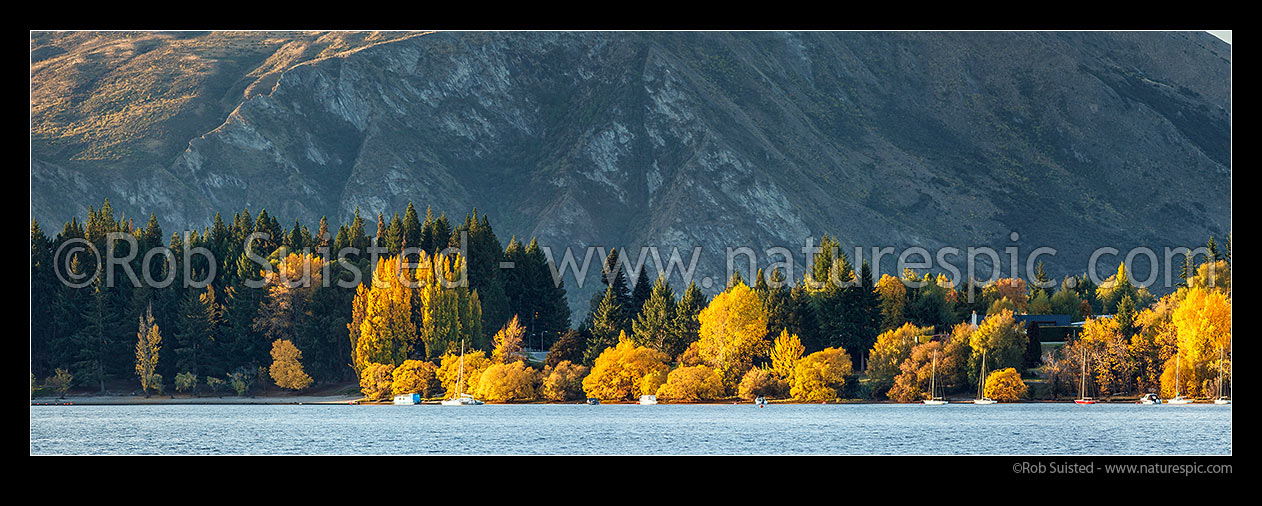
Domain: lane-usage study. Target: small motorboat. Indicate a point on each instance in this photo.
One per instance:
(407, 399)
(760, 400)
(592, 401)
(648, 399)
(1149, 399)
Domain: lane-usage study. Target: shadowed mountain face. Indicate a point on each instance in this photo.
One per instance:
(1073, 140)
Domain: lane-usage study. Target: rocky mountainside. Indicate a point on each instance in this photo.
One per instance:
(1073, 140)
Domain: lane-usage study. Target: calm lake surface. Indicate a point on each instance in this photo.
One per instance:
(835, 429)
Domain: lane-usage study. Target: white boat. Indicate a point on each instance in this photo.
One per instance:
(1221, 400)
(981, 384)
(407, 399)
(932, 400)
(1150, 399)
(760, 400)
(648, 399)
(461, 398)
(1178, 397)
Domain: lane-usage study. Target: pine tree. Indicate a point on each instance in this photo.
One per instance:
(655, 326)
(410, 227)
(686, 322)
(202, 319)
(608, 322)
(640, 294)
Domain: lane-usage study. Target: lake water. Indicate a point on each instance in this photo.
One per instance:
(835, 429)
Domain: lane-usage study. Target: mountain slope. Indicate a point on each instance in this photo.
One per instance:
(1073, 140)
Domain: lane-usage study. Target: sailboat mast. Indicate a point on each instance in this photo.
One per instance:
(933, 375)
(981, 382)
(1082, 391)
(460, 376)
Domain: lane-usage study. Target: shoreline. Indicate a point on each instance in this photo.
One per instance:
(335, 400)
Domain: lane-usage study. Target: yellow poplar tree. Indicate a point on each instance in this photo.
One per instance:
(732, 327)
(386, 333)
(1203, 325)
(148, 342)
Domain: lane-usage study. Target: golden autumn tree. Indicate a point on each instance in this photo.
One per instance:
(698, 383)
(762, 382)
(891, 349)
(626, 371)
(475, 363)
(1112, 366)
(820, 376)
(564, 382)
(286, 369)
(375, 381)
(511, 381)
(416, 376)
(387, 334)
(732, 329)
(1005, 385)
(1155, 343)
(289, 288)
(917, 371)
(1012, 289)
(893, 302)
(1202, 324)
(785, 354)
(507, 342)
(1003, 340)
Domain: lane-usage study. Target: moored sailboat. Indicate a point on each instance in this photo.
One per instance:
(934, 400)
(1178, 397)
(1082, 389)
(981, 384)
(461, 398)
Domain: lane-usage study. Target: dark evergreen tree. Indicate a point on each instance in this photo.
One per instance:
(655, 326)
(686, 323)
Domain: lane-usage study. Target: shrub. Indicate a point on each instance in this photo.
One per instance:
(185, 381)
(416, 376)
(449, 372)
(696, 383)
(760, 382)
(1005, 385)
(513, 381)
(375, 381)
(155, 383)
(821, 376)
(563, 382)
(214, 383)
(59, 382)
(241, 381)
(619, 372)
